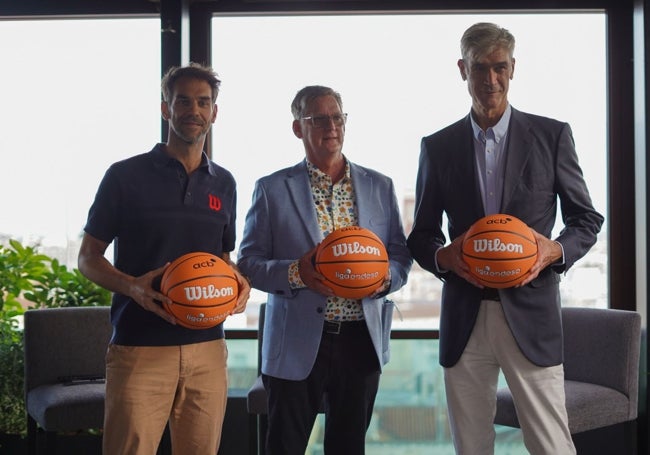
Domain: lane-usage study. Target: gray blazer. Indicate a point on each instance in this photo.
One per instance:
(280, 227)
(541, 167)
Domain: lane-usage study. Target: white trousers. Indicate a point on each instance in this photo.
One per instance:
(471, 384)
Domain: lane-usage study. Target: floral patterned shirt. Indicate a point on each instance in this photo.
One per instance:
(335, 208)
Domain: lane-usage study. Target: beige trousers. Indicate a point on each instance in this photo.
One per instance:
(471, 385)
(148, 386)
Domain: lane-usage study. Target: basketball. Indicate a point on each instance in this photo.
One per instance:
(353, 260)
(500, 250)
(203, 289)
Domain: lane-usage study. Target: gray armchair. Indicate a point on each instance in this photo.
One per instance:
(65, 350)
(601, 370)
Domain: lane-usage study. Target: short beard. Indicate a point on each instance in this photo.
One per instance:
(190, 140)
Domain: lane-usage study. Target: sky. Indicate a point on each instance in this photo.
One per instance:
(81, 94)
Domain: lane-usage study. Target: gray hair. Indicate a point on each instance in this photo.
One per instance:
(306, 95)
(483, 38)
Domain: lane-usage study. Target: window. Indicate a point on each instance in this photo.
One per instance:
(66, 83)
(398, 78)
(399, 82)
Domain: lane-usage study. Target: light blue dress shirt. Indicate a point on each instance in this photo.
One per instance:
(490, 150)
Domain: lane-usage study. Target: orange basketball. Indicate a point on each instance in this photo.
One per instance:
(500, 250)
(203, 289)
(353, 261)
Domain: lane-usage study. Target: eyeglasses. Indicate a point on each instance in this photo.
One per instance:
(323, 121)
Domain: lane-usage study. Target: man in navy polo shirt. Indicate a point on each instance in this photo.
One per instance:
(155, 207)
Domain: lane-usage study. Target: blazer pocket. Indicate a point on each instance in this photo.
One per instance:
(547, 278)
(274, 330)
(386, 323)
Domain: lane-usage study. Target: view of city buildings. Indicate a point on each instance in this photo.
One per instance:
(418, 302)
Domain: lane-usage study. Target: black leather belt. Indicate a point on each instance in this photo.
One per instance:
(490, 294)
(339, 327)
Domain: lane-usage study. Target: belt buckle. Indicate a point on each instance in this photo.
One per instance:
(333, 331)
(491, 294)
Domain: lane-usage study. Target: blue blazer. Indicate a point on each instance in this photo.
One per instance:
(541, 167)
(281, 226)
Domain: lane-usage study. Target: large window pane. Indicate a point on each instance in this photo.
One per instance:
(399, 81)
(77, 95)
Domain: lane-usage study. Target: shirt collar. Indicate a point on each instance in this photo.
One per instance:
(316, 175)
(499, 130)
(161, 159)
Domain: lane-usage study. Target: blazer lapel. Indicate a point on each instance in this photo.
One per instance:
(363, 185)
(300, 195)
(516, 157)
(467, 169)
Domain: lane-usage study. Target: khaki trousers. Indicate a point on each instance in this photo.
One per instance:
(147, 386)
(471, 384)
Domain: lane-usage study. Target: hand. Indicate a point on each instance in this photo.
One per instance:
(385, 286)
(244, 292)
(450, 258)
(142, 292)
(548, 252)
(308, 274)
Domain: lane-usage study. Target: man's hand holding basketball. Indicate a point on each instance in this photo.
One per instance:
(309, 276)
(142, 292)
(244, 291)
(548, 252)
(450, 258)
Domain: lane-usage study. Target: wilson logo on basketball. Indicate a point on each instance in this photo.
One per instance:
(496, 245)
(343, 249)
(207, 292)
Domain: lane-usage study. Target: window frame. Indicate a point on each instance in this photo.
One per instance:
(191, 40)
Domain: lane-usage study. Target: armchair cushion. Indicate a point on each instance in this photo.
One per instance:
(601, 369)
(67, 408)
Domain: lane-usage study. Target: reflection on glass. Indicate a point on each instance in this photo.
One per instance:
(410, 415)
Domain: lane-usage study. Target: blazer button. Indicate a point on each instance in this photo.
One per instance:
(319, 310)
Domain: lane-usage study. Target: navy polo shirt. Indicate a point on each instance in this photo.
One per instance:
(154, 212)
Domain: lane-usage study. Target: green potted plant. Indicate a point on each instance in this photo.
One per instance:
(30, 279)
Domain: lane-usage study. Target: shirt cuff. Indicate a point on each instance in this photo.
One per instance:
(295, 282)
(435, 258)
(560, 261)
